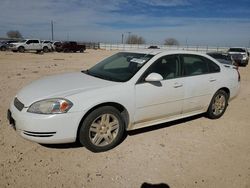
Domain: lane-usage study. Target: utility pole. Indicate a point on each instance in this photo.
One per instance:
(122, 37)
(52, 31)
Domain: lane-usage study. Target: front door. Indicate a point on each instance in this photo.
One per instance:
(162, 99)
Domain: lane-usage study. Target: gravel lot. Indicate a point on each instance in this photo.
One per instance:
(194, 152)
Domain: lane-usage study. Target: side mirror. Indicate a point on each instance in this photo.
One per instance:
(154, 77)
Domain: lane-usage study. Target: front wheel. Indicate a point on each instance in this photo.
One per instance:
(218, 105)
(102, 129)
(21, 49)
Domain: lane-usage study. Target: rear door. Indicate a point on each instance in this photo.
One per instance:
(37, 45)
(201, 76)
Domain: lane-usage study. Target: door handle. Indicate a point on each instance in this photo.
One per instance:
(212, 80)
(176, 85)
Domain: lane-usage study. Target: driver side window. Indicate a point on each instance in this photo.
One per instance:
(167, 67)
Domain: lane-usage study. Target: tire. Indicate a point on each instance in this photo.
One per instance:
(21, 49)
(102, 129)
(218, 105)
(3, 48)
(45, 49)
(81, 50)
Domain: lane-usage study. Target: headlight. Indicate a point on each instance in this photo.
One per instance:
(51, 106)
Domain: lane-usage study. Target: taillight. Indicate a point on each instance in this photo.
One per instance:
(237, 69)
(238, 74)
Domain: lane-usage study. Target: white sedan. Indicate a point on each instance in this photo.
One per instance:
(126, 91)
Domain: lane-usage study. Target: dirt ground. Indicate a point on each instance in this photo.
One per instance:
(194, 152)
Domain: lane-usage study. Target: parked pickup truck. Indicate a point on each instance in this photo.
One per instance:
(29, 45)
(240, 55)
(70, 47)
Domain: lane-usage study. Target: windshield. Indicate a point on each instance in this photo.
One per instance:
(237, 50)
(119, 67)
(22, 41)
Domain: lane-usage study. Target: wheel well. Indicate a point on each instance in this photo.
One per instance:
(226, 90)
(119, 107)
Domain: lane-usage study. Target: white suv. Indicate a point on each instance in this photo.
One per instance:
(240, 55)
(29, 44)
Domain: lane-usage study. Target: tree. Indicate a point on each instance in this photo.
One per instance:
(14, 34)
(134, 39)
(171, 42)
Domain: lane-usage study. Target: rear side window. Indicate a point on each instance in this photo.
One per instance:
(194, 65)
(213, 67)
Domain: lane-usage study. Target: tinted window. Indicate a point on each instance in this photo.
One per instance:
(29, 42)
(166, 66)
(35, 41)
(219, 56)
(237, 50)
(194, 65)
(213, 67)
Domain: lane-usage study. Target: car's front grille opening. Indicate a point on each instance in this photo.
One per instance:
(18, 104)
(39, 134)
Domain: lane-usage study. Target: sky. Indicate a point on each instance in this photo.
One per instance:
(193, 22)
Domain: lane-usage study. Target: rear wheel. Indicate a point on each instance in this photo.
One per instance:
(45, 49)
(218, 105)
(21, 49)
(102, 129)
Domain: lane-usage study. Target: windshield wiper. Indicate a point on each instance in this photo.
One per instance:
(85, 71)
(104, 77)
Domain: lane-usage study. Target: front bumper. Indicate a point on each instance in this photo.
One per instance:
(45, 129)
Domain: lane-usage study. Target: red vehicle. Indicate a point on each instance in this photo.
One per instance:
(70, 47)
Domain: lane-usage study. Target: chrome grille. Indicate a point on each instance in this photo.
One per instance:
(18, 104)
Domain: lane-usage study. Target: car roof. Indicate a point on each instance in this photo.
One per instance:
(165, 52)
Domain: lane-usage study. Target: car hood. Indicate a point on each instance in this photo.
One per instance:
(60, 86)
(17, 43)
